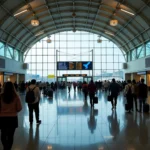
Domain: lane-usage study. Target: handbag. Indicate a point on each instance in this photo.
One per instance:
(109, 98)
(95, 100)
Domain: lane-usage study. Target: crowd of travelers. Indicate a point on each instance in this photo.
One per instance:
(10, 103)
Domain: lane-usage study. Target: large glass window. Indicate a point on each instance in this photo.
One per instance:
(9, 52)
(147, 48)
(133, 54)
(140, 51)
(16, 55)
(78, 46)
(2, 49)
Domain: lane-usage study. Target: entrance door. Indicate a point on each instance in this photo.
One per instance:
(87, 79)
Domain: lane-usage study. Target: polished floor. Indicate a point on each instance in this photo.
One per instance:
(69, 123)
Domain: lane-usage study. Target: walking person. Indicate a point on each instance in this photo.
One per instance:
(10, 105)
(114, 90)
(34, 106)
(142, 94)
(69, 87)
(128, 94)
(85, 89)
(92, 91)
(134, 94)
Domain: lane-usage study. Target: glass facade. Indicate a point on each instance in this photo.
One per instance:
(2, 49)
(147, 48)
(133, 54)
(79, 46)
(141, 51)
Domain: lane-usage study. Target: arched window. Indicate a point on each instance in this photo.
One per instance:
(75, 46)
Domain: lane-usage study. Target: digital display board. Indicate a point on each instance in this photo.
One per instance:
(84, 65)
(74, 75)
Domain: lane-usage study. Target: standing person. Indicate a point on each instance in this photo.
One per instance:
(114, 90)
(85, 89)
(69, 87)
(92, 91)
(35, 105)
(128, 94)
(10, 105)
(74, 86)
(142, 93)
(134, 94)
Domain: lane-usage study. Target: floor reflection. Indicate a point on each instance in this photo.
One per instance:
(68, 122)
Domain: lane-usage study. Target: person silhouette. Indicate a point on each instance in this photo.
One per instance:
(92, 122)
(114, 125)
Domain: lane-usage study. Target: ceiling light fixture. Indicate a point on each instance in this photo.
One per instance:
(113, 22)
(49, 40)
(39, 33)
(35, 22)
(20, 12)
(107, 32)
(99, 40)
(128, 12)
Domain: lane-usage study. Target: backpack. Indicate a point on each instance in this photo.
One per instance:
(30, 97)
(129, 92)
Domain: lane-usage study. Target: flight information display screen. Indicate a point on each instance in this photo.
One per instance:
(84, 65)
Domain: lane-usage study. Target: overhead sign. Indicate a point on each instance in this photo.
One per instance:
(84, 65)
(74, 75)
(51, 76)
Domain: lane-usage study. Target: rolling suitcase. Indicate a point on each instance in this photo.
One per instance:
(146, 108)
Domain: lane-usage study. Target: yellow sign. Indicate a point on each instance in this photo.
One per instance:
(51, 76)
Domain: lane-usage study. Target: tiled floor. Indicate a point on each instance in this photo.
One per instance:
(68, 123)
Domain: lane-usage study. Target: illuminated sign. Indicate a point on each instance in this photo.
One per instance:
(74, 75)
(84, 65)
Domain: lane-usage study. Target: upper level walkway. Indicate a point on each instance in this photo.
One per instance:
(69, 123)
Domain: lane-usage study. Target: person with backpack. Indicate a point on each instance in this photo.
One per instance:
(142, 94)
(128, 95)
(33, 98)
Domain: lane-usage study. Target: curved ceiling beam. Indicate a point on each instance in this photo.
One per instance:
(55, 4)
(25, 2)
(130, 32)
(76, 21)
(132, 19)
(7, 11)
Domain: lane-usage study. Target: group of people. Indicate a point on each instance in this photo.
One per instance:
(10, 105)
(134, 93)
